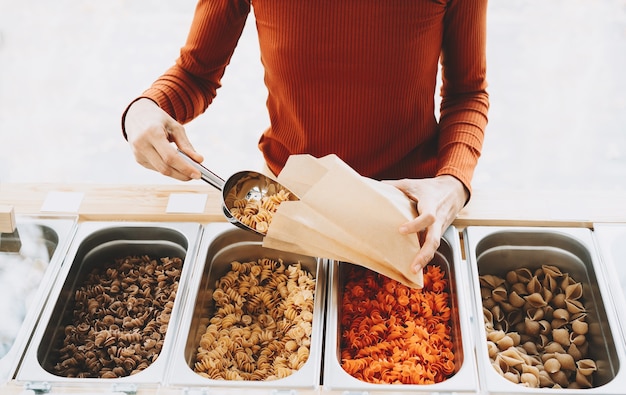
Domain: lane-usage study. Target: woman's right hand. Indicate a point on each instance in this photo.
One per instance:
(150, 131)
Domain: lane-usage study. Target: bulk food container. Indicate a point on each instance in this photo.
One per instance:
(418, 344)
(30, 259)
(547, 322)
(253, 321)
(611, 242)
(111, 318)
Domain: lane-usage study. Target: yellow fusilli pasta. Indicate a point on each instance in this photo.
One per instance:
(262, 325)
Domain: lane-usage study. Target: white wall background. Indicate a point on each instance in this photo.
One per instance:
(69, 67)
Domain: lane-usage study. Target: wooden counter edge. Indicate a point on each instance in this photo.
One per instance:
(102, 202)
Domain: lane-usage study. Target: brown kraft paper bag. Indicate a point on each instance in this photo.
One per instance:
(344, 216)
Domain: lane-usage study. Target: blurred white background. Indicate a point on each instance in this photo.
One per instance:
(68, 68)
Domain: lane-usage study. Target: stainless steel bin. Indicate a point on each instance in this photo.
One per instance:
(464, 378)
(26, 275)
(97, 246)
(611, 242)
(496, 253)
(221, 245)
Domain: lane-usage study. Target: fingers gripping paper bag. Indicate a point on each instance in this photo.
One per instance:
(344, 216)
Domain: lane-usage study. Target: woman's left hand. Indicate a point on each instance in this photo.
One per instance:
(438, 200)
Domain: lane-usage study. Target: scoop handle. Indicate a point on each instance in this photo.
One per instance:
(206, 174)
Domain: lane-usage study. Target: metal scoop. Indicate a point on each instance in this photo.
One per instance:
(247, 184)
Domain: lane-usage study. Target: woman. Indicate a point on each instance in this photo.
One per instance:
(351, 77)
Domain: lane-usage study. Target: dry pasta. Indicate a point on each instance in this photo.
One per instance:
(262, 325)
(536, 326)
(394, 334)
(119, 318)
(257, 214)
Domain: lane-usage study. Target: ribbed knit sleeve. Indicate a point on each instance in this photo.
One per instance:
(188, 87)
(465, 102)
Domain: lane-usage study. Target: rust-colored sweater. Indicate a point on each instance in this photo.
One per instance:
(352, 77)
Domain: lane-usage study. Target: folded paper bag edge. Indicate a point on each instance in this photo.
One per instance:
(330, 173)
(288, 234)
(301, 171)
(367, 227)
